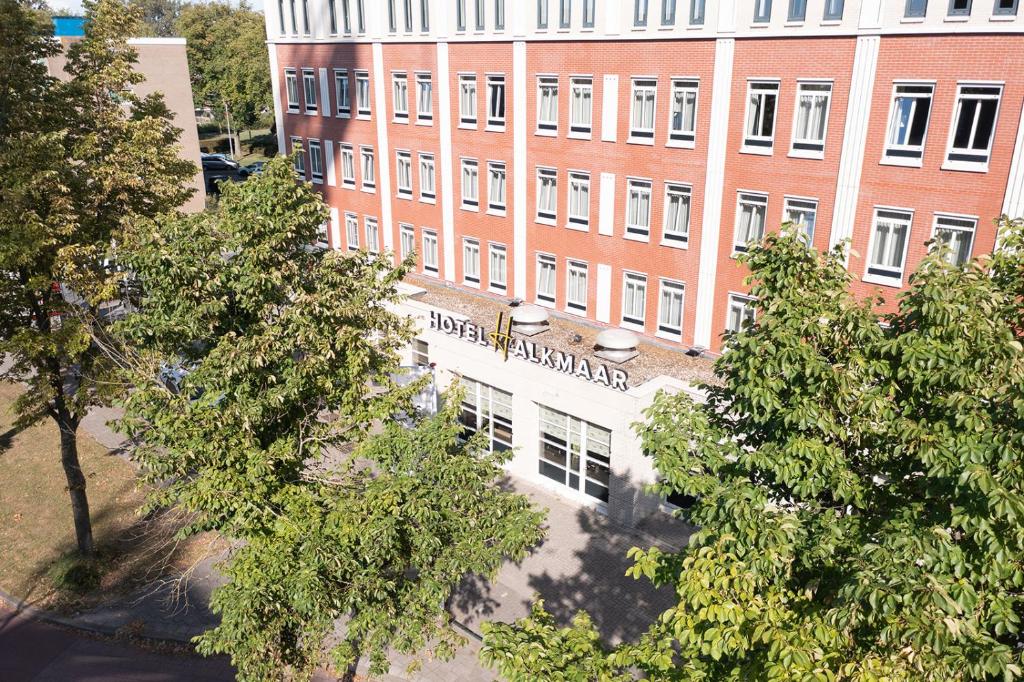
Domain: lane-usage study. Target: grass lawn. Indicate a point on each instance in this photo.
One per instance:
(36, 528)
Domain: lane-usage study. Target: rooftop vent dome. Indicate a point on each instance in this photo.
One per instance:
(530, 320)
(616, 345)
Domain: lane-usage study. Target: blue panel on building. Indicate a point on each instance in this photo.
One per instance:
(69, 27)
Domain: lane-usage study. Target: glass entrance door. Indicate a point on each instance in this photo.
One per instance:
(575, 454)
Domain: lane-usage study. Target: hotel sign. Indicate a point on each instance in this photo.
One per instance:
(503, 342)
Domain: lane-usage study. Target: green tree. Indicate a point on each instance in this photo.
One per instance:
(159, 16)
(281, 437)
(860, 487)
(228, 60)
(79, 161)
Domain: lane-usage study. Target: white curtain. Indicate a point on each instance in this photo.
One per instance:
(811, 117)
(363, 93)
(497, 273)
(547, 279)
(549, 104)
(401, 96)
(368, 168)
(497, 187)
(582, 105)
(426, 177)
(671, 308)
(471, 260)
(348, 165)
(467, 106)
(547, 194)
(469, 177)
(643, 108)
(425, 105)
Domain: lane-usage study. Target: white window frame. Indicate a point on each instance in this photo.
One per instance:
(403, 157)
(547, 127)
(952, 222)
(760, 143)
(543, 297)
(342, 94)
(545, 216)
(348, 180)
(406, 239)
(400, 90)
(496, 123)
(316, 162)
(424, 115)
(744, 198)
(352, 235)
(882, 274)
(906, 154)
(469, 246)
(807, 148)
(310, 103)
(638, 134)
(576, 307)
(291, 88)
(468, 119)
(366, 151)
(430, 264)
(372, 228)
(638, 280)
(664, 330)
(679, 240)
(497, 205)
(969, 159)
(745, 304)
(470, 201)
(299, 164)
(686, 139)
(578, 180)
(793, 204)
(637, 187)
(497, 252)
(428, 180)
(580, 85)
(364, 109)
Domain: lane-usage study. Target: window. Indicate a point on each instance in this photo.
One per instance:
(400, 84)
(547, 195)
(460, 15)
(348, 166)
(427, 190)
(803, 213)
(372, 235)
(974, 124)
(547, 103)
(425, 15)
(575, 454)
(305, 17)
(406, 240)
(957, 233)
(470, 184)
(916, 8)
(741, 313)
(489, 410)
(496, 186)
(341, 93)
(352, 231)
(762, 11)
(542, 14)
(638, 208)
(407, 15)
(334, 16)
(579, 200)
(467, 100)
(424, 98)
(582, 106)
(888, 246)
(499, 15)
(588, 13)
(564, 13)
(346, 18)
(420, 353)
(480, 14)
(300, 161)
(496, 102)
(762, 101)
(908, 124)
(682, 122)
(369, 177)
(641, 121)
(670, 309)
(676, 230)
(696, 12)
(811, 120)
(1006, 8)
(392, 21)
(497, 273)
(834, 10)
(403, 174)
(634, 299)
(292, 88)
(295, 24)
(430, 252)
(363, 94)
(309, 90)
(640, 13)
(668, 12)
(471, 262)
(316, 161)
(797, 10)
(750, 214)
(360, 17)
(280, 16)
(959, 8)
(576, 287)
(546, 273)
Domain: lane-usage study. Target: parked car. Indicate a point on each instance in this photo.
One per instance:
(217, 169)
(254, 168)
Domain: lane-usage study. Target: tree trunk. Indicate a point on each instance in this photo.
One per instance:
(350, 672)
(76, 484)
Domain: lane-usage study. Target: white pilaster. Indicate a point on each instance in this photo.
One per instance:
(447, 184)
(726, 16)
(383, 149)
(325, 94)
(714, 183)
(335, 236)
(610, 108)
(1013, 201)
(604, 293)
(329, 163)
(519, 167)
(606, 205)
(855, 135)
(275, 89)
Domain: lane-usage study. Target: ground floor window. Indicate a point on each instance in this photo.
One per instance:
(575, 453)
(420, 353)
(487, 409)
